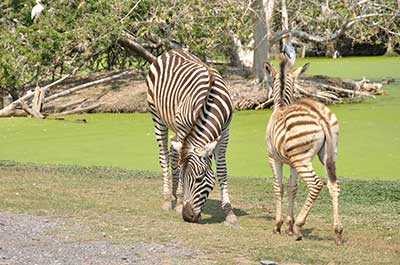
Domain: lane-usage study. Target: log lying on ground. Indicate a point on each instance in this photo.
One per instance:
(320, 88)
(79, 109)
(83, 86)
(31, 111)
(40, 99)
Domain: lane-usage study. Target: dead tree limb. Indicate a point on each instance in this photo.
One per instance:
(80, 87)
(58, 108)
(132, 46)
(78, 110)
(349, 91)
(37, 102)
(11, 109)
(30, 111)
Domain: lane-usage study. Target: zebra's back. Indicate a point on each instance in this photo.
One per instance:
(300, 130)
(183, 91)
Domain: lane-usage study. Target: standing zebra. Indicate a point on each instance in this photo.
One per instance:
(191, 99)
(296, 132)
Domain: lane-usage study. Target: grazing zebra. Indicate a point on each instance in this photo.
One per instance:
(296, 132)
(191, 99)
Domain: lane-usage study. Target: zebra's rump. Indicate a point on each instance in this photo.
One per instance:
(299, 128)
(183, 92)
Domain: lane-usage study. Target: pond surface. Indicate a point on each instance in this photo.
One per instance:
(369, 143)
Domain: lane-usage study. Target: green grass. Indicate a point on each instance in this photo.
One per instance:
(369, 144)
(125, 205)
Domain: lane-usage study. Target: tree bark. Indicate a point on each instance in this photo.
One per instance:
(134, 47)
(80, 87)
(37, 101)
(30, 111)
(262, 33)
(78, 110)
(285, 23)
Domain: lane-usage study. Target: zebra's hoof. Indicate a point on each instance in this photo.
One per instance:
(231, 220)
(234, 224)
(167, 206)
(289, 231)
(277, 231)
(339, 239)
(297, 235)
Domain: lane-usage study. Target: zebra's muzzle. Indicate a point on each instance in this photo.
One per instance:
(189, 215)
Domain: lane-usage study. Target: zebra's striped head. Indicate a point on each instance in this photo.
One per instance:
(197, 178)
(283, 81)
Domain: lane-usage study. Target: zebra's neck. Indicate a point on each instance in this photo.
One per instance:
(283, 87)
(283, 93)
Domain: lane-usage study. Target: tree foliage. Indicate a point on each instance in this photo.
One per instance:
(75, 33)
(71, 33)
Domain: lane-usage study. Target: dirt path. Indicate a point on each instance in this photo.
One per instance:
(28, 239)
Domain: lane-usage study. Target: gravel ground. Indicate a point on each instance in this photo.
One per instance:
(28, 239)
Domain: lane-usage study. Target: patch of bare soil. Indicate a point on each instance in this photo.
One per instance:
(27, 239)
(128, 94)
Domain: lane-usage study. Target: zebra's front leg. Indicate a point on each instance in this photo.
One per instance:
(220, 160)
(278, 191)
(177, 189)
(314, 185)
(292, 192)
(161, 132)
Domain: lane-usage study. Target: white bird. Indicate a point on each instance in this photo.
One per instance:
(289, 51)
(36, 10)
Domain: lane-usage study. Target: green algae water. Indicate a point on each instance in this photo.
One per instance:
(369, 141)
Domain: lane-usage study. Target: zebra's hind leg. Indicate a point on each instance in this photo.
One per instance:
(177, 189)
(334, 190)
(292, 192)
(278, 191)
(220, 160)
(161, 132)
(314, 185)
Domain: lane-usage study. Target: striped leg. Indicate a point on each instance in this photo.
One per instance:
(334, 190)
(177, 189)
(220, 160)
(292, 192)
(314, 185)
(161, 132)
(278, 190)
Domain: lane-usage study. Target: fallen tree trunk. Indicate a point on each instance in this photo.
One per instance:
(58, 108)
(86, 85)
(30, 111)
(78, 110)
(320, 88)
(10, 110)
(37, 102)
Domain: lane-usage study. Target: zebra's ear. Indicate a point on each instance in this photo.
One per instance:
(208, 149)
(269, 69)
(299, 71)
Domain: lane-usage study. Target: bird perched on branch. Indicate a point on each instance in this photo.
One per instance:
(36, 11)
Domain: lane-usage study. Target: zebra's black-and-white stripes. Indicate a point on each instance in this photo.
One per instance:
(191, 99)
(296, 132)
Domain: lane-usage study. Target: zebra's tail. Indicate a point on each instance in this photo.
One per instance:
(329, 161)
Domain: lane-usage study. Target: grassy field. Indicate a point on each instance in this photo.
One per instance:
(125, 205)
(122, 200)
(369, 143)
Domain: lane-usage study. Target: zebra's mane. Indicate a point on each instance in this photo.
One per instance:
(283, 69)
(212, 78)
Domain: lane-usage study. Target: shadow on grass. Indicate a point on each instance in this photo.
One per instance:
(213, 208)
